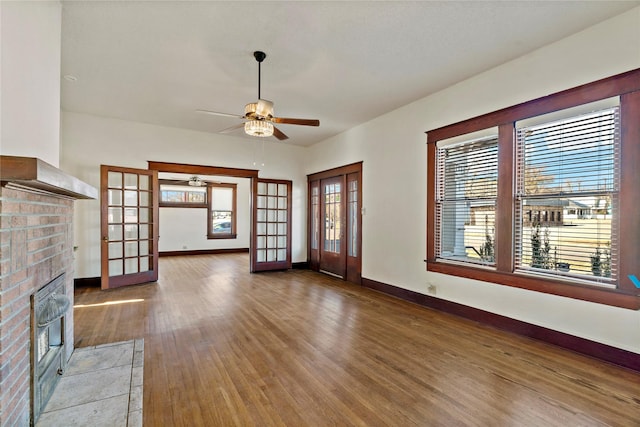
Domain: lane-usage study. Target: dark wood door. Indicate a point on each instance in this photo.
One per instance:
(333, 226)
(129, 226)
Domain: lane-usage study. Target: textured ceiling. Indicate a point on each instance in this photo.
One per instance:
(343, 63)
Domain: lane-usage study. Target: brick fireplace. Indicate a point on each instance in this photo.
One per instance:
(36, 246)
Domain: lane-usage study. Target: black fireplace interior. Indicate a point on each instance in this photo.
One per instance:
(48, 308)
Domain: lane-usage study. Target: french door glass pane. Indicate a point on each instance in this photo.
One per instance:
(115, 250)
(332, 218)
(115, 232)
(130, 181)
(115, 197)
(115, 180)
(130, 265)
(130, 231)
(115, 267)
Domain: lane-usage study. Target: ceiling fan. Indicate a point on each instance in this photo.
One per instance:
(259, 115)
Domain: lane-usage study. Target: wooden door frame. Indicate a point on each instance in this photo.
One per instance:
(354, 266)
(252, 174)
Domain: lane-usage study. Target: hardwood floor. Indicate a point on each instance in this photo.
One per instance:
(227, 348)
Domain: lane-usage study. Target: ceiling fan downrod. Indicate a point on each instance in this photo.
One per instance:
(260, 56)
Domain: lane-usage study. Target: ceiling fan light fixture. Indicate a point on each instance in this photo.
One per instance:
(259, 128)
(195, 181)
(250, 109)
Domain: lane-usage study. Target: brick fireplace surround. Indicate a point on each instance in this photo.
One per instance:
(36, 245)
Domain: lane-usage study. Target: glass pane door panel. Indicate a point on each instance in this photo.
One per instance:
(282, 229)
(143, 182)
(131, 215)
(144, 247)
(282, 254)
(145, 199)
(131, 181)
(143, 230)
(332, 218)
(130, 232)
(130, 198)
(115, 250)
(115, 215)
(144, 215)
(352, 246)
(262, 202)
(114, 180)
(115, 267)
(130, 265)
(262, 228)
(115, 232)
(115, 197)
(261, 255)
(131, 249)
(144, 263)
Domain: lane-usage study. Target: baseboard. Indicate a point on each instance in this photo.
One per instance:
(204, 252)
(304, 265)
(583, 346)
(86, 282)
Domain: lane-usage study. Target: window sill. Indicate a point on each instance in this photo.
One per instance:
(612, 297)
(221, 236)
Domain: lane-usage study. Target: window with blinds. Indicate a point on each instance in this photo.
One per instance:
(221, 211)
(567, 180)
(466, 192)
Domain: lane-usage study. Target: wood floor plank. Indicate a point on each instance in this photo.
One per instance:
(227, 348)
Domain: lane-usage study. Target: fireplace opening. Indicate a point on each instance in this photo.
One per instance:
(48, 308)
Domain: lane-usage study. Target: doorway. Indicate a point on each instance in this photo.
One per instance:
(335, 222)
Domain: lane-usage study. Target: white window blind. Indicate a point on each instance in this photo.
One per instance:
(566, 201)
(466, 191)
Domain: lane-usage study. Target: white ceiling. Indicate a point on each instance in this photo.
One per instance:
(343, 63)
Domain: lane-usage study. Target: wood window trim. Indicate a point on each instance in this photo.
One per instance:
(210, 233)
(626, 294)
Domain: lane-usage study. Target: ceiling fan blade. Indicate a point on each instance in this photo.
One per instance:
(290, 121)
(232, 128)
(278, 134)
(215, 113)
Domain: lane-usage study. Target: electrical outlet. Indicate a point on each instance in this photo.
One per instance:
(431, 288)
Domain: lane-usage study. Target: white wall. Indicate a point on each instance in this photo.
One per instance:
(89, 141)
(30, 79)
(392, 148)
(186, 228)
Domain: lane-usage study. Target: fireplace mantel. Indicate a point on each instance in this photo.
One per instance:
(33, 173)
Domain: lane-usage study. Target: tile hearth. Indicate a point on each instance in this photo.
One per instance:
(102, 386)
